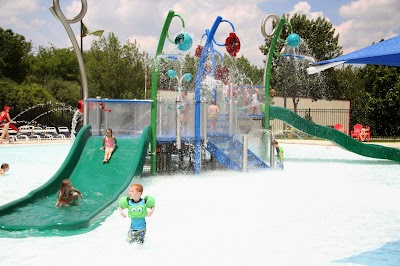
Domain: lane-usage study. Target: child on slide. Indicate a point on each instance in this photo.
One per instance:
(67, 193)
(109, 144)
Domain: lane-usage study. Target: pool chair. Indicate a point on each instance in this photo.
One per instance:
(64, 131)
(355, 133)
(340, 128)
(39, 133)
(13, 134)
(24, 132)
(52, 131)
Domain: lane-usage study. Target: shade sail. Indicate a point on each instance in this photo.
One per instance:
(383, 53)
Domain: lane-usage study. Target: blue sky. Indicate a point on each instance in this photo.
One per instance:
(359, 22)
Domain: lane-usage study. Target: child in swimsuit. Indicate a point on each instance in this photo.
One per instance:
(67, 193)
(137, 211)
(279, 155)
(109, 144)
(213, 112)
(4, 168)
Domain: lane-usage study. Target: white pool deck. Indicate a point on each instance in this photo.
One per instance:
(328, 207)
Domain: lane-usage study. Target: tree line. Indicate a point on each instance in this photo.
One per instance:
(122, 71)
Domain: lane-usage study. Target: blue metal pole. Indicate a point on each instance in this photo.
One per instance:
(197, 148)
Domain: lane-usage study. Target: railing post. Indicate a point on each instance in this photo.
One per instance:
(245, 148)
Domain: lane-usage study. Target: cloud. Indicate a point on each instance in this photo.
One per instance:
(15, 7)
(305, 8)
(143, 21)
(367, 22)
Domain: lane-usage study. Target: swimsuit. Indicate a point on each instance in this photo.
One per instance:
(213, 117)
(109, 142)
(4, 118)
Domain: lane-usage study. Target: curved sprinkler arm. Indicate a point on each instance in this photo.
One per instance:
(271, 52)
(183, 26)
(57, 12)
(197, 148)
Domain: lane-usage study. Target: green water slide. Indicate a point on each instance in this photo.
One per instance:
(341, 139)
(101, 185)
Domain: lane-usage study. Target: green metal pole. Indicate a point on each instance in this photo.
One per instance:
(268, 64)
(154, 87)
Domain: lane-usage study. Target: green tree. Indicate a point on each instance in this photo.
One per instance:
(23, 96)
(380, 103)
(54, 63)
(64, 91)
(115, 70)
(14, 52)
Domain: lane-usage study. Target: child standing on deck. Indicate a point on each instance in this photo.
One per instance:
(66, 193)
(137, 211)
(279, 154)
(109, 143)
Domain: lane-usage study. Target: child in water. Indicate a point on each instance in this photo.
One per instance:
(67, 193)
(279, 154)
(4, 168)
(137, 211)
(109, 144)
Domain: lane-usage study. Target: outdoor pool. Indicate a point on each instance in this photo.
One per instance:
(328, 207)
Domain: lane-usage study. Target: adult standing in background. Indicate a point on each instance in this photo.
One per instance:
(5, 122)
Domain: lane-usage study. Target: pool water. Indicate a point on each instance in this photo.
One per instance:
(328, 207)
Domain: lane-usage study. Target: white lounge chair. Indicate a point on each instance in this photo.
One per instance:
(53, 132)
(24, 132)
(64, 131)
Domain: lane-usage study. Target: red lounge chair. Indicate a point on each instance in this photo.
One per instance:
(340, 128)
(355, 133)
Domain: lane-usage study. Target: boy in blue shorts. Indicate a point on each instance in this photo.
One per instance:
(137, 211)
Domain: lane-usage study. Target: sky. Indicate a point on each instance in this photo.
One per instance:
(359, 23)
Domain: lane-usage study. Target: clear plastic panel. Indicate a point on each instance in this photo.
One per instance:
(124, 117)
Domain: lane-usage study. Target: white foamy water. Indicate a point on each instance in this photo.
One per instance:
(328, 207)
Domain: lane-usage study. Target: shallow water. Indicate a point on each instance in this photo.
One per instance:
(328, 207)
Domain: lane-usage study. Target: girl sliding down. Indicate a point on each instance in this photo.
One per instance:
(109, 144)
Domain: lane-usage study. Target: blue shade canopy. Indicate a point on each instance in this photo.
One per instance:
(383, 53)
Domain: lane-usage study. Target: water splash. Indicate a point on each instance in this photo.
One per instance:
(77, 115)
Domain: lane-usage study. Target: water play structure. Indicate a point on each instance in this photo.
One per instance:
(235, 145)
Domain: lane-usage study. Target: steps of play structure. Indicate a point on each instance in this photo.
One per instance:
(229, 153)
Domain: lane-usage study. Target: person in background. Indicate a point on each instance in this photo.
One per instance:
(137, 211)
(4, 168)
(184, 111)
(5, 122)
(279, 155)
(213, 112)
(364, 133)
(109, 144)
(67, 193)
(255, 101)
